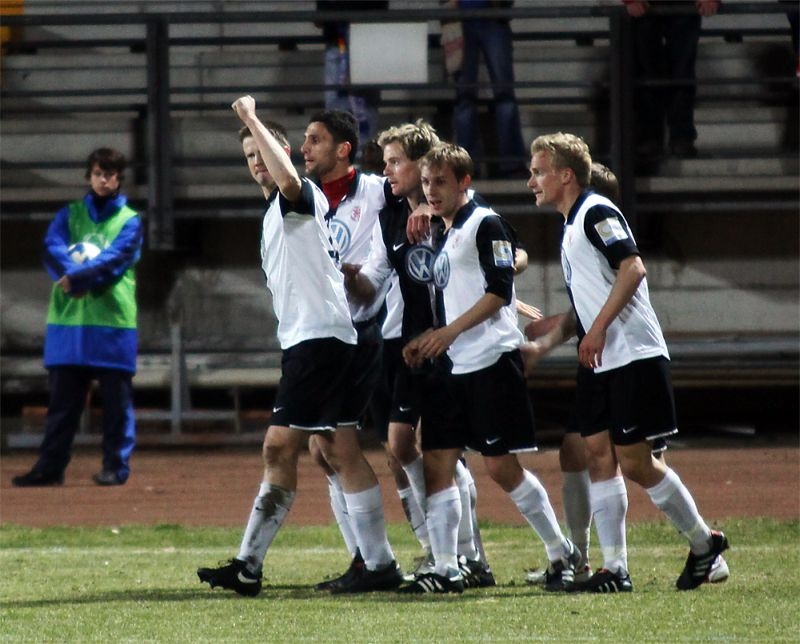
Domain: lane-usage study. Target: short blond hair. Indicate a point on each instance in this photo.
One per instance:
(416, 138)
(566, 151)
(605, 182)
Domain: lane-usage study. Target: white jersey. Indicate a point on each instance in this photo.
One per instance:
(596, 239)
(352, 224)
(299, 262)
(475, 257)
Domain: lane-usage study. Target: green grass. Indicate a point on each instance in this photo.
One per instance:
(135, 584)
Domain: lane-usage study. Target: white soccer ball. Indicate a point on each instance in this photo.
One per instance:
(82, 251)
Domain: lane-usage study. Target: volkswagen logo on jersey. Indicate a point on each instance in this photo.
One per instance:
(441, 271)
(340, 234)
(419, 261)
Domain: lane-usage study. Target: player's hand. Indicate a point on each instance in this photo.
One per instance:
(244, 106)
(707, 8)
(590, 350)
(418, 226)
(411, 353)
(636, 8)
(528, 311)
(531, 352)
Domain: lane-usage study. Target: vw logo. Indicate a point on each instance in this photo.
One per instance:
(340, 234)
(441, 271)
(419, 261)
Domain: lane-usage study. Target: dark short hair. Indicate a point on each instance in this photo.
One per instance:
(107, 159)
(342, 126)
(276, 129)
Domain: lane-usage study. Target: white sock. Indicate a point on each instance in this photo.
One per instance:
(673, 498)
(578, 510)
(476, 529)
(444, 513)
(609, 501)
(466, 531)
(415, 516)
(367, 520)
(339, 508)
(532, 501)
(269, 510)
(416, 478)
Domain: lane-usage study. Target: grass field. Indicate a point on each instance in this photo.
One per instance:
(136, 584)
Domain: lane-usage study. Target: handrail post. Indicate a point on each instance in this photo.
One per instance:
(623, 157)
(160, 226)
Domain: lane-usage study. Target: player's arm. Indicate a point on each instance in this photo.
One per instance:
(276, 158)
(545, 335)
(418, 225)
(435, 342)
(630, 274)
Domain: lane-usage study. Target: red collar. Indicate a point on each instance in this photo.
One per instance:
(336, 190)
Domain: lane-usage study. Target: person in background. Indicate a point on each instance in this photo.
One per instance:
(666, 49)
(336, 33)
(492, 39)
(91, 324)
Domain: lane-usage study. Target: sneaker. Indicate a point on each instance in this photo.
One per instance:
(422, 566)
(35, 478)
(560, 575)
(719, 571)
(476, 574)
(233, 576)
(605, 581)
(387, 578)
(107, 477)
(698, 567)
(353, 571)
(536, 576)
(430, 582)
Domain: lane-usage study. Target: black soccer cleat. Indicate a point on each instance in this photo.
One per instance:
(605, 581)
(430, 582)
(346, 578)
(232, 576)
(698, 567)
(560, 575)
(36, 478)
(388, 577)
(476, 574)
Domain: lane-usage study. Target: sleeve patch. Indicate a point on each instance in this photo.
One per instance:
(503, 253)
(610, 231)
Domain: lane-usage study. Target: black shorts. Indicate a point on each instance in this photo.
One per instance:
(366, 372)
(314, 376)
(488, 410)
(634, 402)
(397, 397)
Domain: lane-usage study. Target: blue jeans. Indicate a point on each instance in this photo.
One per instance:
(361, 106)
(492, 39)
(68, 389)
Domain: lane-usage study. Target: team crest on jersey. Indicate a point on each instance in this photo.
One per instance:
(340, 234)
(356, 214)
(441, 271)
(419, 264)
(503, 253)
(610, 230)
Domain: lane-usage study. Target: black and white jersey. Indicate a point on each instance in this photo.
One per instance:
(474, 257)
(393, 257)
(298, 260)
(352, 224)
(595, 241)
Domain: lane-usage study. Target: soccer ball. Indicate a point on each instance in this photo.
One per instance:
(82, 251)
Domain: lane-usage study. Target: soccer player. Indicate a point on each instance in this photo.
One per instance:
(572, 453)
(407, 267)
(624, 394)
(354, 199)
(481, 398)
(318, 342)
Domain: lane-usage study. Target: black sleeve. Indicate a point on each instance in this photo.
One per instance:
(496, 254)
(609, 233)
(304, 205)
